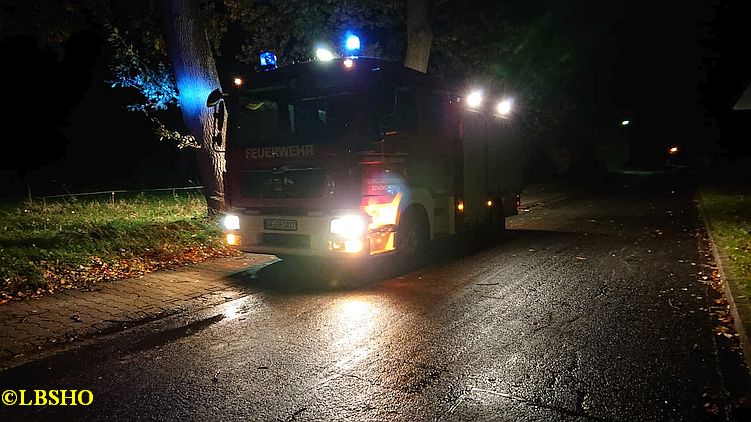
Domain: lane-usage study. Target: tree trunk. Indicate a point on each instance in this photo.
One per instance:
(195, 73)
(419, 35)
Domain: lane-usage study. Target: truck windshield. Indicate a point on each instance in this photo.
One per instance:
(278, 120)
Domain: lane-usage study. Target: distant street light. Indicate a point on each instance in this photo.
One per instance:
(625, 122)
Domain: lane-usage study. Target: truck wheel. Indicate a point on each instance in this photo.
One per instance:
(412, 238)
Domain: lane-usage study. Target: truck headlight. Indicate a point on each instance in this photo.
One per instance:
(349, 226)
(231, 222)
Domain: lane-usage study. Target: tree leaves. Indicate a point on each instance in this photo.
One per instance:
(130, 70)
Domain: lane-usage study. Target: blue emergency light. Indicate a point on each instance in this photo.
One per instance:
(352, 43)
(268, 60)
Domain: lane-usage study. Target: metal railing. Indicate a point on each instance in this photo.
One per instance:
(112, 193)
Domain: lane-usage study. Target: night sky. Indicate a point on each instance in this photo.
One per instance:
(674, 70)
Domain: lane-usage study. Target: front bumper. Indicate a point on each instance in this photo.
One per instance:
(303, 235)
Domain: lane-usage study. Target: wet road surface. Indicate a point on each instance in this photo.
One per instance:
(591, 309)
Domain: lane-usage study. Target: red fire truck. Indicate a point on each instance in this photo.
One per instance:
(357, 157)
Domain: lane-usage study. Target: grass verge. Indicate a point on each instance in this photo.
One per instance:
(729, 214)
(47, 246)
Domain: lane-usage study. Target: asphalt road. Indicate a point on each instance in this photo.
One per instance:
(591, 309)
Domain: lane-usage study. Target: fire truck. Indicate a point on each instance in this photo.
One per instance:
(357, 157)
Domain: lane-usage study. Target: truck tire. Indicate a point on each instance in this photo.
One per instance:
(412, 239)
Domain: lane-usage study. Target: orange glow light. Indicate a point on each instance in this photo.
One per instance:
(232, 239)
(382, 216)
(347, 246)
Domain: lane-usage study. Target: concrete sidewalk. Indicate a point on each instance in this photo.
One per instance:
(53, 322)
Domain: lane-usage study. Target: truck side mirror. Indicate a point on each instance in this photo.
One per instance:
(218, 126)
(214, 98)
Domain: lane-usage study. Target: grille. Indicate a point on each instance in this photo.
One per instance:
(304, 183)
(286, 240)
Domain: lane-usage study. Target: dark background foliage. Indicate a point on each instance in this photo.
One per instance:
(575, 68)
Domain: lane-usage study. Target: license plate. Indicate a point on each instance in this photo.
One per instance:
(279, 224)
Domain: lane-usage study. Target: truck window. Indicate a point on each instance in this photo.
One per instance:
(285, 120)
(263, 116)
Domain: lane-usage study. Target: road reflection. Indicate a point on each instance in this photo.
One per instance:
(355, 321)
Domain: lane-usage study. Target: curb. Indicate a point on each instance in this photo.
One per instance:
(740, 308)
